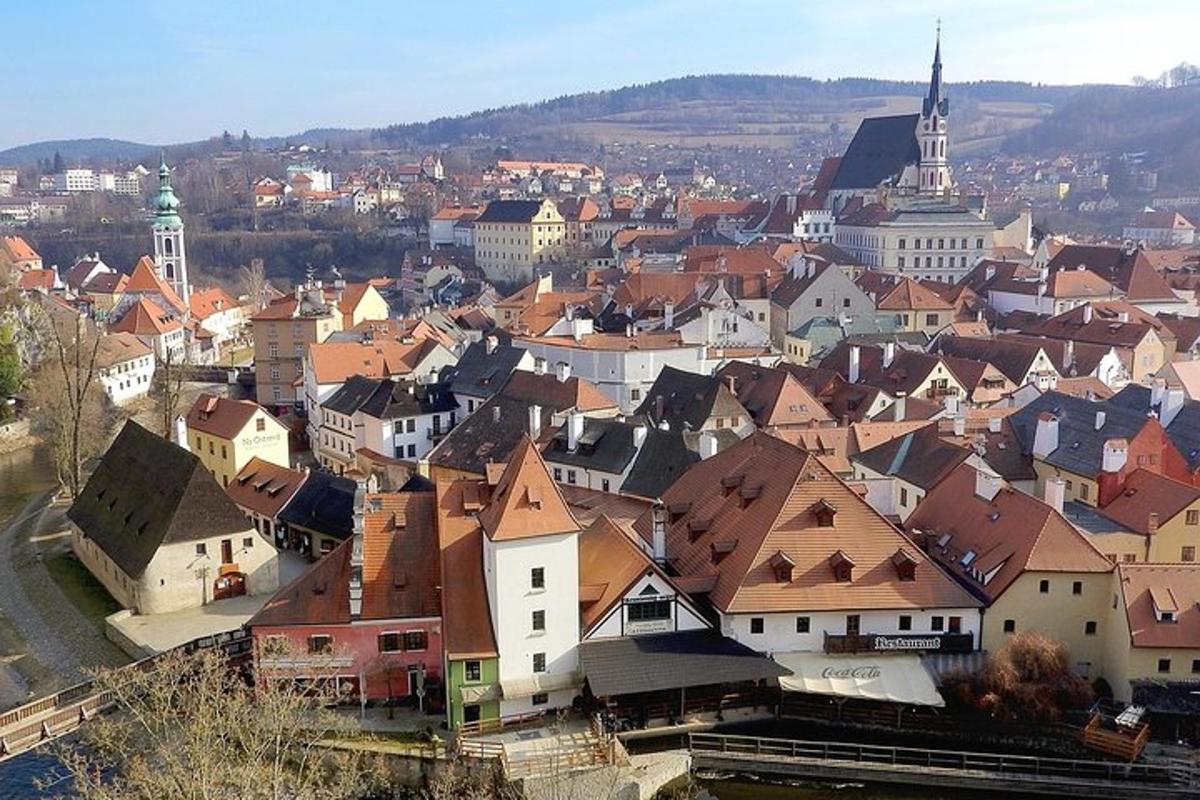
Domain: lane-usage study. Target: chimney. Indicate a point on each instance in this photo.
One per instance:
(1068, 354)
(889, 354)
(659, 533)
(1172, 404)
(578, 329)
(659, 407)
(495, 413)
(900, 407)
(731, 382)
(994, 424)
(539, 366)
(639, 436)
(629, 331)
(708, 445)
(855, 362)
(490, 344)
(987, 484)
(1100, 417)
(1116, 453)
(1123, 316)
(535, 422)
(574, 430)
(1045, 435)
(1152, 522)
(668, 315)
(989, 272)
(960, 426)
(1054, 492)
(1157, 390)
(356, 552)
(562, 371)
(1087, 313)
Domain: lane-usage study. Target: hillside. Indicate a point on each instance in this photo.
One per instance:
(74, 150)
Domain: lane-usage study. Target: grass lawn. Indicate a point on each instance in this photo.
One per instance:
(84, 591)
(235, 357)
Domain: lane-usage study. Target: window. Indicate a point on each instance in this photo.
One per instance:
(905, 622)
(1195, 666)
(320, 644)
(558, 474)
(1089, 628)
(412, 451)
(1083, 491)
(604, 484)
(247, 542)
(201, 549)
(756, 624)
(389, 643)
(571, 477)
(1077, 587)
(540, 699)
(1187, 553)
(956, 624)
(845, 302)
(473, 671)
(931, 319)
(904, 497)
(539, 662)
(539, 621)
(410, 426)
(537, 578)
(819, 302)
(416, 640)
(260, 424)
(635, 394)
(1010, 625)
(853, 623)
(649, 610)
(1164, 665)
(1193, 518)
(224, 453)
(937, 623)
(803, 625)
(1044, 587)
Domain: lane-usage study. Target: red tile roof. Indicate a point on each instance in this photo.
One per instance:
(526, 502)
(1145, 585)
(263, 487)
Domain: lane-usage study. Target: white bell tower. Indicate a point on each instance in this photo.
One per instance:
(932, 132)
(170, 258)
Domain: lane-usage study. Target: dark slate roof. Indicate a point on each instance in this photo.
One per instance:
(351, 395)
(688, 399)
(663, 458)
(880, 150)
(324, 504)
(1184, 430)
(606, 445)
(919, 457)
(677, 660)
(479, 373)
(510, 211)
(393, 399)
(148, 492)
(487, 436)
(1080, 446)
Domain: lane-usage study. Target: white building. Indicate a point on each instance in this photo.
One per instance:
(125, 367)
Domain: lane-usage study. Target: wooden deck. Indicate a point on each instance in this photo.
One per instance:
(840, 761)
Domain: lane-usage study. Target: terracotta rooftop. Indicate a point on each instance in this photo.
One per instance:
(335, 362)
(144, 278)
(146, 318)
(1145, 585)
(118, 347)
(1147, 493)
(206, 302)
(263, 487)
(763, 496)
(221, 416)
(526, 503)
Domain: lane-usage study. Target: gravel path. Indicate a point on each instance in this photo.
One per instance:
(59, 637)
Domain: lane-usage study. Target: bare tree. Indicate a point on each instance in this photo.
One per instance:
(65, 394)
(167, 388)
(253, 280)
(190, 727)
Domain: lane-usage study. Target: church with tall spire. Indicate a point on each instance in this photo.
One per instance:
(932, 133)
(170, 255)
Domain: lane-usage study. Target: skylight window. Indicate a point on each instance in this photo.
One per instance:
(967, 558)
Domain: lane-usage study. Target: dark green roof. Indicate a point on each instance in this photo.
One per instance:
(148, 492)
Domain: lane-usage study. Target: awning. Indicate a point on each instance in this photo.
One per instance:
(659, 661)
(538, 683)
(480, 694)
(890, 678)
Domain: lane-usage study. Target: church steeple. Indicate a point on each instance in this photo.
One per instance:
(170, 259)
(935, 103)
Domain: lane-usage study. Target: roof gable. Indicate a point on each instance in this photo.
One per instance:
(526, 502)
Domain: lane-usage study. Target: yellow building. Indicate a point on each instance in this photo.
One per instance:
(282, 332)
(512, 237)
(1153, 627)
(1157, 520)
(1034, 569)
(226, 434)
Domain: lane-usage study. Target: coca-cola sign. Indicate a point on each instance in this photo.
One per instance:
(857, 672)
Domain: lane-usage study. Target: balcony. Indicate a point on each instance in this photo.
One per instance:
(900, 643)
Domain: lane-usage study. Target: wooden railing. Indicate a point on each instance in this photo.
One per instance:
(501, 724)
(46, 718)
(1026, 767)
(1126, 745)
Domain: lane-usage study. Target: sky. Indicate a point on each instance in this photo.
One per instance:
(180, 70)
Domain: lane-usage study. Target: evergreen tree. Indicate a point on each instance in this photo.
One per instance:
(59, 164)
(227, 140)
(245, 140)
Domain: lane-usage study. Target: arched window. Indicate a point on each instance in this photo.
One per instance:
(168, 246)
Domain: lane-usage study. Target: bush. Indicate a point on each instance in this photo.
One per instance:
(1028, 679)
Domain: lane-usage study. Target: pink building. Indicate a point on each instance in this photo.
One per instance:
(369, 612)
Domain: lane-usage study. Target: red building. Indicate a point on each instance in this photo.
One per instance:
(369, 612)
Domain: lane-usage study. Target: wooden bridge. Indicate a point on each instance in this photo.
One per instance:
(842, 761)
(45, 719)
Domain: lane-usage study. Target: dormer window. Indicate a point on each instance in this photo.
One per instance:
(721, 549)
(843, 567)
(747, 494)
(534, 495)
(1166, 609)
(905, 564)
(825, 512)
(782, 566)
(696, 528)
(729, 483)
(677, 510)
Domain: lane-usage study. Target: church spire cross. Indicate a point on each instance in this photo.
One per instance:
(935, 103)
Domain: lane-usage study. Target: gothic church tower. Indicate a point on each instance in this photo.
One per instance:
(932, 134)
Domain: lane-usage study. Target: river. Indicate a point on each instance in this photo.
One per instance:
(745, 789)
